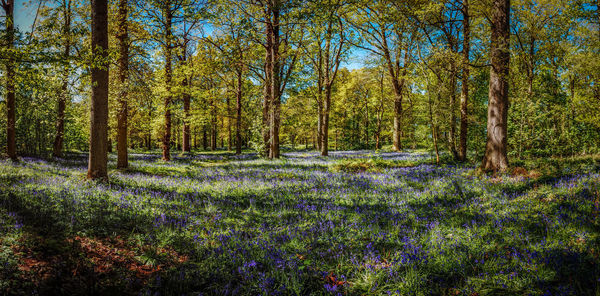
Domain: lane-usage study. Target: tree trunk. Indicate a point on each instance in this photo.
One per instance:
(195, 137)
(380, 111)
(464, 96)
(238, 121)
(398, 121)
(398, 86)
(433, 131)
(276, 84)
(204, 139)
(496, 158)
(62, 99)
(123, 37)
(267, 90)
(11, 146)
(319, 121)
(98, 156)
(186, 121)
(214, 128)
(325, 122)
(452, 131)
(229, 134)
(367, 124)
(166, 143)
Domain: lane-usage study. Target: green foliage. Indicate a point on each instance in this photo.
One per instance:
(362, 224)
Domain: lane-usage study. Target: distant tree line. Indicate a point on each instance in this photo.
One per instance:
(488, 79)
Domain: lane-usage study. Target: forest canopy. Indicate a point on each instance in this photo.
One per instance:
(328, 74)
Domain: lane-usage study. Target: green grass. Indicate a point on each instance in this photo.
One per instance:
(357, 223)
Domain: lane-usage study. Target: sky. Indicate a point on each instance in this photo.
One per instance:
(24, 14)
(25, 11)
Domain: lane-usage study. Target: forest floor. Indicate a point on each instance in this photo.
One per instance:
(356, 223)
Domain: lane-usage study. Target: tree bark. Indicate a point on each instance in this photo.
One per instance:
(496, 158)
(398, 87)
(62, 99)
(464, 96)
(11, 146)
(166, 143)
(276, 83)
(452, 131)
(397, 121)
(325, 126)
(98, 156)
(331, 68)
(380, 112)
(319, 120)
(238, 121)
(122, 161)
(267, 90)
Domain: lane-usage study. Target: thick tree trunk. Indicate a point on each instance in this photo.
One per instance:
(11, 146)
(496, 158)
(464, 96)
(267, 90)
(276, 84)
(166, 142)
(398, 86)
(238, 120)
(57, 150)
(98, 157)
(123, 36)
(398, 121)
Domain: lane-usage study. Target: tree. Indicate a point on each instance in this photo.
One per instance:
(186, 72)
(164, 19)
(98, 157)
(167, 11)
(62, 99)
(495, 158)
(386, 28)
(280, 60)
(464, 94)
(232, 39)
(123, 37)
(328, 47)
(11, 146)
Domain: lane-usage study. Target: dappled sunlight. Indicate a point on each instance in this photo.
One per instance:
(439, 228)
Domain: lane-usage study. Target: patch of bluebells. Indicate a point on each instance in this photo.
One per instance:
(252, 226)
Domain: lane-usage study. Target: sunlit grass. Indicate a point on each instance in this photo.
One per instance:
(397, 225)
